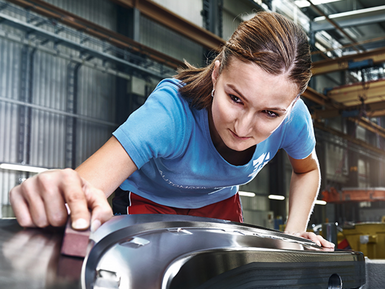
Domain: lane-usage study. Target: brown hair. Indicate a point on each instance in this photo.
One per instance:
(270, 40)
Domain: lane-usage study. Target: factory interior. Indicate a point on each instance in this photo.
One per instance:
(72, 71)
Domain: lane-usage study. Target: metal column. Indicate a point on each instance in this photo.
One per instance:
(25, 113)
(71, 122)
(277, 183)
(212, 16)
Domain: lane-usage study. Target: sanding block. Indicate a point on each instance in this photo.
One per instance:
(75, 243)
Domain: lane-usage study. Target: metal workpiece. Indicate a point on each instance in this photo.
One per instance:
(169, 251)
(164, 251)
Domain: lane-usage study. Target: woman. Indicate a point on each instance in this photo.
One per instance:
(198, 137)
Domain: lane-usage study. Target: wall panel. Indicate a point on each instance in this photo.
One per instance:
(101, 12)
(44, 94)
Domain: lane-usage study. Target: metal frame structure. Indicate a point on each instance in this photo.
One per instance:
(100, 32)
(48, 35)
(173, 21)
(105, 52)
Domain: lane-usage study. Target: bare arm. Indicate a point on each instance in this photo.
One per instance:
(304, 187)
(107, 168)
(40, 200)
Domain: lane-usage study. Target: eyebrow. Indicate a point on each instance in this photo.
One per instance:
(242, 96)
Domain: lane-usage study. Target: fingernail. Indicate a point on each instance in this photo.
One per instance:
(95, 225)
(80, 224)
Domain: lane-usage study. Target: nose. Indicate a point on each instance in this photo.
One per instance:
(244, 124)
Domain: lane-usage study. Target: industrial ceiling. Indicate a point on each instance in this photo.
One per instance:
(358, 31)
(351, 39)
(348, 36)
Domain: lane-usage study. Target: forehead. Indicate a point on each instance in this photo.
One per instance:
(252, 81)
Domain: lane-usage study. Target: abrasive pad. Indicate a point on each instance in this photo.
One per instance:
(75, 242)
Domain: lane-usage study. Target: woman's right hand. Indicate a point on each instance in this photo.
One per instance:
(40, 201)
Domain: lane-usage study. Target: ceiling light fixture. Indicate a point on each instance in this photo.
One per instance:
(320, 202)
(246, 194)
(276, 197)
(305, 3)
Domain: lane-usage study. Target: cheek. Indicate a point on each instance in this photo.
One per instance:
(264, 129)
(220, 114)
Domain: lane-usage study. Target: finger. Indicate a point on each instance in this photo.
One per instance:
(99, 206)
(313, 237)
(31, 193)
(72, 188)
(55, 207)
(20, 208)
(325, 243)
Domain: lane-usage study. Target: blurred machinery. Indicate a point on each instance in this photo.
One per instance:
(366, 236)
(354, 195)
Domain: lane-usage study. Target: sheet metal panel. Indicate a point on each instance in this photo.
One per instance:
(9, 88)
(168, 251)
(97, 100)
(96, 94)
(164, 251)
(47, 131)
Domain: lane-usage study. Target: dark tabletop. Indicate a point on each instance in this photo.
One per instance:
(30, 258)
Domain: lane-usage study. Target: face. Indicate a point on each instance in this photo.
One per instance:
(248, 104)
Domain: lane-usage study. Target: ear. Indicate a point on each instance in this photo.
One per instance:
(215, 73)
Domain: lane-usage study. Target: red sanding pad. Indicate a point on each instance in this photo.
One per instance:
(75, 242)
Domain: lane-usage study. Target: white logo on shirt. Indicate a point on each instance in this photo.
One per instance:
(259, 163)
(180, 186)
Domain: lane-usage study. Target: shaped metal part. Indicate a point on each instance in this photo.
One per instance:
(169, 252)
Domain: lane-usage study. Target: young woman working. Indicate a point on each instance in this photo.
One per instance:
(197, 138)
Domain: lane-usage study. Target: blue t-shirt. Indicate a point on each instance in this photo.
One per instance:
(178, 165)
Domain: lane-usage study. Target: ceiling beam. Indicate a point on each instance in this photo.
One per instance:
(351, 18)
(369, 125)
(342, 63)
(376, 113)
(367, 41)
(74, 21)
(373, 109)
(335, 25)
(355, 94)
(169, 19)
(363, 144)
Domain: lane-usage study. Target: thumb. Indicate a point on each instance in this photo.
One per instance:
(72, 188)
(100, 209)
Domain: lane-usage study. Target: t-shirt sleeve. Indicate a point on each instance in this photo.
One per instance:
(299, 140)
(157, 128)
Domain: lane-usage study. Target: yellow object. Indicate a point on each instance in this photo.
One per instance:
(369, 238)
(340, 237)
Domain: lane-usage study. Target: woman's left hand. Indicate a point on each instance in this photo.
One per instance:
(318, 239)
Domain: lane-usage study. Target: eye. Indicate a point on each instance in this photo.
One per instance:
(235, 98)
(270, 113)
